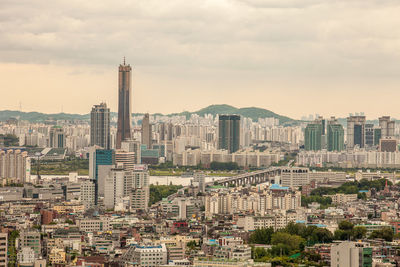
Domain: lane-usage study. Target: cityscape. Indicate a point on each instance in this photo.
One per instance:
(218, 186)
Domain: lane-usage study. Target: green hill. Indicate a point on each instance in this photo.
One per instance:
(251, 112)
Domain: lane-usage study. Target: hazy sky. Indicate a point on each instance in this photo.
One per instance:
(293, 57)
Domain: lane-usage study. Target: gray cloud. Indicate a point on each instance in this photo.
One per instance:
(272, 37)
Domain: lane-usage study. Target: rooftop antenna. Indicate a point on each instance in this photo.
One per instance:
(124, 60)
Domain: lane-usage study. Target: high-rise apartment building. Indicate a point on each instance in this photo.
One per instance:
(100, 126)
(335, 135)
(356, 131)
(351, 254)
(146, 131)
(57, 137)
(140, 193)
(387, 126)
(313, 136)
(15, 166)
(124, 103)
(229, 132)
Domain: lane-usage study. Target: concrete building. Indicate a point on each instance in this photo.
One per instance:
(351, 254)
(388, 144)
(355, 131)
(387, 126)
(15, 166)
(3, 249)
(100, 126)
(116, 185)
(88, 192)
(31, 239)
(146, 256)
(127, 159)
(57, 137)
(124, 103)
(199, 179)
(133, 146)
(140, 193)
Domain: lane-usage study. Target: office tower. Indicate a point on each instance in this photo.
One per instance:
(88, 193)
(387, 126)
(229, 132)
(126, 159)
(31, 239)
(57, 137)
(100, 126)
(369, 135)
(313, 136)
(146, 131)
(377, 136)
(133, 146)
(200, 179)
(355, 131)
(124, 103)
(140, 193)
(97, 157)
(3, 249)
(351, 254)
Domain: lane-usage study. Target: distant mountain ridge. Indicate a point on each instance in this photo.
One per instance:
(251, 112)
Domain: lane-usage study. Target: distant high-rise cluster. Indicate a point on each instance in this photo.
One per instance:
(322, 134)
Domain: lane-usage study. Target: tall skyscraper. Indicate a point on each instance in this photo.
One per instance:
(355, 131)
(57, 137)
(124, 103)
(146, 131)
(100, 126)
(335, 134)
(387, 126)
(313, 136)
(229, 132)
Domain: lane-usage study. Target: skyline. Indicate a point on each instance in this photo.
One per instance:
(330, 63)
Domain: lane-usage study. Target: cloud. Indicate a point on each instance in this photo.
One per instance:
(268, 38)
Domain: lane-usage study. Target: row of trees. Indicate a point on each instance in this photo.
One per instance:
(295, 237)
(351, 187)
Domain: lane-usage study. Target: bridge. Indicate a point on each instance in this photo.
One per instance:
(256, 177)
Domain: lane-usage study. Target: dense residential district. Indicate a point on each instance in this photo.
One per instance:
(204, 190)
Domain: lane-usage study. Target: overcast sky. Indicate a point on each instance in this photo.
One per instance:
(294, 57)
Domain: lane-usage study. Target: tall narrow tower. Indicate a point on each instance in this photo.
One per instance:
(124, 103)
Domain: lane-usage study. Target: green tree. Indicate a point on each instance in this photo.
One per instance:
(385, 233)
(292, 241)
(359, 232)
(261, 236)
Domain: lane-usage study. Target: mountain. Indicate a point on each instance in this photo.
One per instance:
(251, 112)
